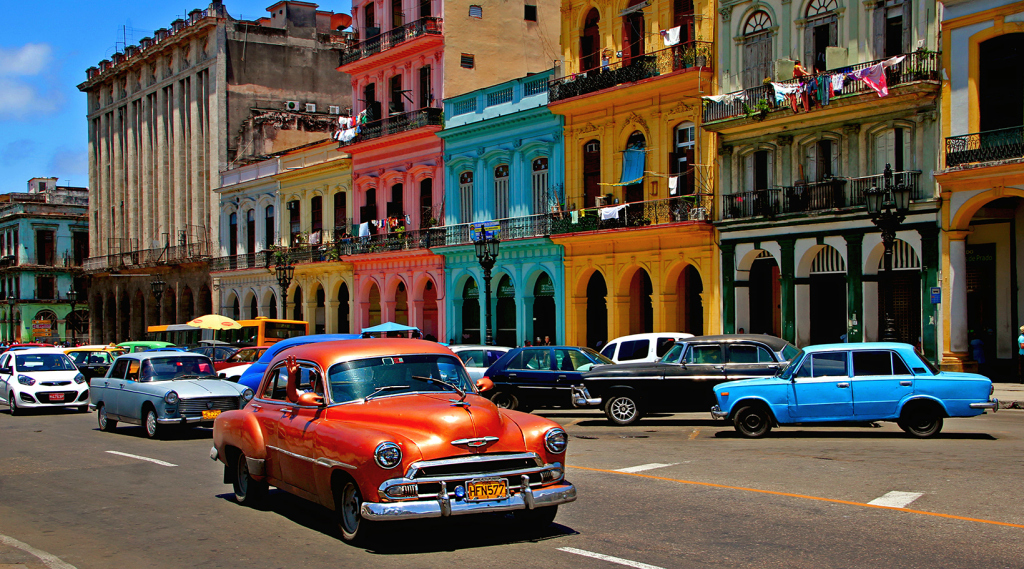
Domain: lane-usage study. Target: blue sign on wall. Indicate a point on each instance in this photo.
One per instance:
(490, 229)
(936, 295)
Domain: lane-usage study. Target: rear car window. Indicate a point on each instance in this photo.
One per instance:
(472, 358)
(749, 354)
(704, 354)
(663, 346)
(633, 350)
(609, 350)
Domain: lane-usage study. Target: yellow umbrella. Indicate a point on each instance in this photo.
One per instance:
(215, 322)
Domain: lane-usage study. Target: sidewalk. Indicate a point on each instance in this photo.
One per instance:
(1010, 395)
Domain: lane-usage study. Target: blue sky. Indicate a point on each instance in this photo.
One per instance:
(43, 129)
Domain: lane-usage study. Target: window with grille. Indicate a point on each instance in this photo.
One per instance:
(682, 158)
(535, 87)
(540, 185)
(757, 49)
(466, 197)
(499, 97)
(501, 191)
(463, 107)
(476, 11)
(467, 61)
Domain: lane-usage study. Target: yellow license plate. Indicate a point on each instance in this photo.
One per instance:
(495, 489)
(211, 414)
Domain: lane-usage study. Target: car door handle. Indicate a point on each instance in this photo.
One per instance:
(256, 406)
(843, 384)
(562, 377)
(106, 384)
(511, 375)
(905, 383)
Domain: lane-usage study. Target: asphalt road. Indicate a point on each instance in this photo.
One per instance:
(693, 495)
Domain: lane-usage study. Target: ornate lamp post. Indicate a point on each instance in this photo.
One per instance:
(487, 254)
(72, 300)
(285, 273)
(158, 291)
(10, 303)
(888, 208)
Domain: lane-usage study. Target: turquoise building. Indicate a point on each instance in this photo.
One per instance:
(504, 161)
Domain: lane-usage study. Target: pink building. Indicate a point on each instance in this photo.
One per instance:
(410, 55)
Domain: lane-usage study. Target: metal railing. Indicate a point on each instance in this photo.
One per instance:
(148, 257)
(692, 207)
(833, 194)
(399, 122)
(689, 55)
(389, 39)
(511, 228)
(918, 66)
(988, 146)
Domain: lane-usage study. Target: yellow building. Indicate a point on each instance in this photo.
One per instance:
(639, 247)
(982, 184)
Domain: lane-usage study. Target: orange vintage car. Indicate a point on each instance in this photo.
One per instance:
(389, 429)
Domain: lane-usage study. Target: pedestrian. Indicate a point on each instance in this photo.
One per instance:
(1020, 356)
(547, 341)
(742, 331)
(528, 344)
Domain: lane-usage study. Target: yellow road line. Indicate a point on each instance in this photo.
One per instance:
(802, 496)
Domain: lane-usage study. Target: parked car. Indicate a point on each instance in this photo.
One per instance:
(682, 380)
(41, 377)
(478, 358)
(215, 353)
(162, 389)
(137, 346)
(94, 361)
(243, 356)
(870, 381)
(648, 347)
(27, 346)
(389, 429)
(252, 377)
(540, 376)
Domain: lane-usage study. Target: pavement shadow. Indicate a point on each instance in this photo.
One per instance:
(654, 422)
(417, 536)
(824, 434)
(168, 434)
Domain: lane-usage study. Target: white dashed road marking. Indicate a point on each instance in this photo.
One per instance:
(608, 558)
(51, 561)
(896, 499)
(643, 467)
(153, 460)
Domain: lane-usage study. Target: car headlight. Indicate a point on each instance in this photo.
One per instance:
(388, 455)
(556, 440)
(171, 398)
(247, 394)
(26, 380)
(79, 378)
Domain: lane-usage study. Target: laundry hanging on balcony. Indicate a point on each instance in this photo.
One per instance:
(728, 98)
(611, 212)
(874, 76)
(671, 36)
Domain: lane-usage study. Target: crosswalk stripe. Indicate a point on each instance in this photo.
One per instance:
(644, 467)
(608, 558)
(896, 499)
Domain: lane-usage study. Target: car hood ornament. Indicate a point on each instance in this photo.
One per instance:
(476, 442)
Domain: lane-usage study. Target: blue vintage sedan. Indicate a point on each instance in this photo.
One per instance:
(871, 381)
(161, 389)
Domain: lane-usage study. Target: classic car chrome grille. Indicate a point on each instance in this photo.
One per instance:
(199, 404)
(474, 465)
(55, 383)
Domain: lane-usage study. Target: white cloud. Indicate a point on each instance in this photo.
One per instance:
(29, 59)
(19, 100)
(67, 162)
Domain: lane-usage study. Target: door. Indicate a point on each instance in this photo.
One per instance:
(880, 381)
(5, 377)
(268, 408)
(566, 362)
(690, 386)
(530, 371)
(746, 361)
(821, 388)
(296, 432)
(113, 385)
(128, 398)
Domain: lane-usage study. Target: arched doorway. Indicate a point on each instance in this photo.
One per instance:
(544, 308)
(906, 291)
(828, 318)
(188, 305)
(374, 303)
(152, 312)
(633, 34)
(272, 309)
(429, 324)
(254, 307)
(690, 300)
(402, 304)
(343, 320)
(48, 334)
(205, 300)
(169, 307)
(138, 324)
(1000, 86)
(506, 313)
(590, 41)
(109, 320)
(765, 290)
(597, 310)
(236, 308)
(320, 318)
(470, 313)
(297, 304)
(124, 317)
(641, 306)
(633, 171)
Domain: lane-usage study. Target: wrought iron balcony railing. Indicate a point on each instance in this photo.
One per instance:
(692, 207)
(834, 194)
(398, 122)
(389, 39)
(511, 228)
(761, 101)
(149, 257)
(687, 55)
(988, 146)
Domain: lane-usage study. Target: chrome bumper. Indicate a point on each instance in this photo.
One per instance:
(445, 506)
(581, 397)
(993, 405)
(717, 413)
(182, 420)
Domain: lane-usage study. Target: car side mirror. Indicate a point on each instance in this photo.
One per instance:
(310, 399)
(484, 384)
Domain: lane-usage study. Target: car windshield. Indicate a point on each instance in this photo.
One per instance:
(94, 358)
(358, 379)
(673, 354)
(789, 352)
(787, 372)
(244, 356)
(598, 358)
(44, 362)
(177, 367)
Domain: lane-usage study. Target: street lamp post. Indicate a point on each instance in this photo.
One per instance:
(888, 207)
(285, 272)
(487, 254)
(158, 291)
(10, 303)
(72, 299)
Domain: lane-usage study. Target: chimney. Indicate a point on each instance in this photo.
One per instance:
(161, 34)
(92, 72)
(118, 58)
(194, 16)
(145, 43)
(104, 65)
(129, 51)
(178, 25)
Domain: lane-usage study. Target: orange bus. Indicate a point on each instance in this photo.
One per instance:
(260, 331)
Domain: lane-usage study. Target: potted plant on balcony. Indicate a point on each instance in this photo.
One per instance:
(758, 110)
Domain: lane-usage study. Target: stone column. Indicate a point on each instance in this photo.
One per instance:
(957, 301)
(330, 315)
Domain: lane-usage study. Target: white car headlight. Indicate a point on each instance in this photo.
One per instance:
(388, 455)
(556, 440)
(171, 398)
(26, 380)
(247, 394)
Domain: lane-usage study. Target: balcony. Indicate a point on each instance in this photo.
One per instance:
(511, 228)
(690, 55)
(692, 207)
(830, 195)
(188, 252)
(396, 123)
(388, 40)
(989, 146)
(760, 101)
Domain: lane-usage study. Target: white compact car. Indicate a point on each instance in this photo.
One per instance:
(642, 347)
(41, 377)
(478, 358)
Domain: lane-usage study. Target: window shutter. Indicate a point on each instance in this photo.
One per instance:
(811, 163)
(673, 164)
(835, 158)
(907, 32)
(878, 17)
(808, 61)
(771, 169)
(625, 41)
(748, 173)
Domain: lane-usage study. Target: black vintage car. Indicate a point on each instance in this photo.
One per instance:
(682, 380)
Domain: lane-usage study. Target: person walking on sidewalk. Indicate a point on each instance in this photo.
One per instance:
(1020, 356)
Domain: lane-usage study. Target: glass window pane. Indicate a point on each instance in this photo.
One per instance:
(872, 363)
(743, 354)
(898, 366)
(709, 354)
(830, 364)
(664, 345)
(564, 360)
(764, 356)
(634, 350)
(516, 362)
(472, 358)
(609, 350)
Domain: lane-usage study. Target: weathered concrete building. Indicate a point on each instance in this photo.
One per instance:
(166, 117)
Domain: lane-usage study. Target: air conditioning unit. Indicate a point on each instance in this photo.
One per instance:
(334, 110)
(310, 107)
(292, 105)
